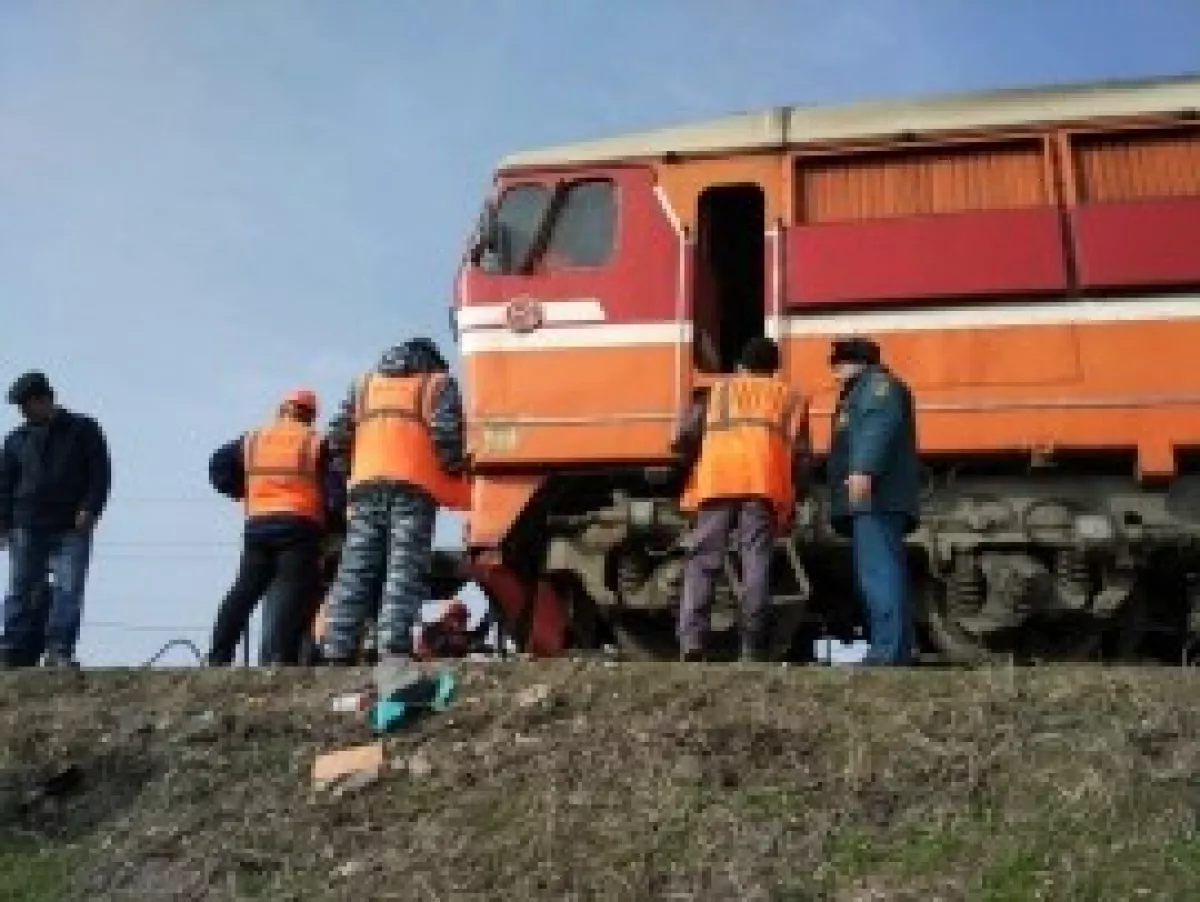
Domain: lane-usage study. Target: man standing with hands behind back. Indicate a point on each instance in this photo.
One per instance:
(874, 484)
(55, 476)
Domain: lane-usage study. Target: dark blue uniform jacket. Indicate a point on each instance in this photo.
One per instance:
(874, 431)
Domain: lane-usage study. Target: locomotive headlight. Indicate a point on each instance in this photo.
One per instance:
(1094, 528)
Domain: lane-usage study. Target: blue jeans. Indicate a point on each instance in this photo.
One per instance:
(33, 552)
(881, 574)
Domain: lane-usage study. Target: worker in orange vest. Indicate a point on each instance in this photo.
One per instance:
(281, 473)
(402, 430)
(746, 450)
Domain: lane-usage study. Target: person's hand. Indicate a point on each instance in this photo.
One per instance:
(84, 520)
(858, 485)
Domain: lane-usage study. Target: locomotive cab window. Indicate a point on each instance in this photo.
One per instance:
(584, 226)
(518, 218)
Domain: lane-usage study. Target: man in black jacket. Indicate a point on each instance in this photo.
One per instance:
(55, 476)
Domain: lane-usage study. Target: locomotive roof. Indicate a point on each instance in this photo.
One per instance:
(807, 123)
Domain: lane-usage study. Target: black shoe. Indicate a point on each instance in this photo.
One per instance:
(693, 656)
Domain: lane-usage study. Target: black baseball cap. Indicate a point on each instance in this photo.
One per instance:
(31, 385)
(854, 349)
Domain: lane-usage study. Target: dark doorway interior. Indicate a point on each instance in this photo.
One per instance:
(729, 306)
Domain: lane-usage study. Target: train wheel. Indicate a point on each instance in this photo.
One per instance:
(1131, 629)
(1059, 642)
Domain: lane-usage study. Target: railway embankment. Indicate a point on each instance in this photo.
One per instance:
(587, 780)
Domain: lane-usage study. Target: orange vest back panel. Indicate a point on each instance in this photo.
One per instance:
(748, 439)
(392, 441)
(281, 471)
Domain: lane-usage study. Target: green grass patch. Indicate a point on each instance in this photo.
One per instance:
(1072, 859)
(31, 871)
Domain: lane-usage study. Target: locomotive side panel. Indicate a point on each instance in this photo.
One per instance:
(1060, 368)
(1135, 205)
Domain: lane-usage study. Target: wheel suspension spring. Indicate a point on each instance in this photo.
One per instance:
(1071, 569)
(967, 588)
(633, 569)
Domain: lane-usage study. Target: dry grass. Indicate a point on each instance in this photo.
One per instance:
(622, 782)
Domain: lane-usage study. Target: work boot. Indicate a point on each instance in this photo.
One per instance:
(57, 660)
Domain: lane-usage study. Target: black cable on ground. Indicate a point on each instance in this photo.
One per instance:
(187, 643)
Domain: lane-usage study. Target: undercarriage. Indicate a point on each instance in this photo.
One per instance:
(1047, 563)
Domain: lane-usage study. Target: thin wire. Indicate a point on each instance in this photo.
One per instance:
(194, 500)
(118, 556)
(142, 628)
(172, 644)
(167, 543)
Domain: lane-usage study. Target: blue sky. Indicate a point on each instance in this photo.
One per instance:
(203, 204)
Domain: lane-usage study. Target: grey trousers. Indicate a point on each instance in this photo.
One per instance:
(388, 549)
(752, 523)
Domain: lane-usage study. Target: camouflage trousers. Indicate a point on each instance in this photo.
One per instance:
(388, 547)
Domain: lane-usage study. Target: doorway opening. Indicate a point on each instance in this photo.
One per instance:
(728, 303)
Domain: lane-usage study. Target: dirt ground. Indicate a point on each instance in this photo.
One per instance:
(572, 780)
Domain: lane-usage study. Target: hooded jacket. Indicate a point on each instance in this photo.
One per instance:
(414, 357)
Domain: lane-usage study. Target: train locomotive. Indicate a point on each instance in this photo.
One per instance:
(1029, 262)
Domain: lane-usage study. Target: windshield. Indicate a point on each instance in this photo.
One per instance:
(582, 233)
(518, 219)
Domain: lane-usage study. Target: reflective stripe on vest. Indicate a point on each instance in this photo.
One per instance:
(752, 403)
(281, 471)
(392, 438)
(747, 447)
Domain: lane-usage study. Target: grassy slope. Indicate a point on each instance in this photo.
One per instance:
(625, 782)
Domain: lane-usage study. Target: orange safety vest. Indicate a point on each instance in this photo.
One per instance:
(749, 431)
(281, 471)
(392, 440)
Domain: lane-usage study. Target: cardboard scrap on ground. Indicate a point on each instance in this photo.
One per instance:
(348, 768)
(400, 691)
